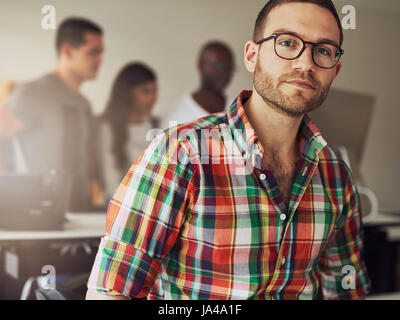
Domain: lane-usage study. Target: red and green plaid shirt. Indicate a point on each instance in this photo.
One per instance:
(195, 217)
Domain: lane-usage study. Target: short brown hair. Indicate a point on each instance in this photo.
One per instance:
(262, 15)
(72, 31)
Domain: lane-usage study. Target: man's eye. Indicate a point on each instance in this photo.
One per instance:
(287, 43)
(323, 51)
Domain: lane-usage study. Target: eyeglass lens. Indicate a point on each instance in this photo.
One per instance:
(289, 46)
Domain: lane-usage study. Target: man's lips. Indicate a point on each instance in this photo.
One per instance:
(302, 84)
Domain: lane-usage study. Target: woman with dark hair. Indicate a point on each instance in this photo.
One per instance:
(125, 123)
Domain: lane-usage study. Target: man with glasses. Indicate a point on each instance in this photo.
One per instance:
(256, 206)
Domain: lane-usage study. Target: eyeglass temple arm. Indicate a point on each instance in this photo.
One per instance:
(265, 39)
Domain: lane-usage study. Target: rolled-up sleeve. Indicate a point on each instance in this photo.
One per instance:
(342, 266)
(144, 219)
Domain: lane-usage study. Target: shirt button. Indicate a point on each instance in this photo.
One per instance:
(283, 260)
(283, 216)
(273, 298)
(263, 176)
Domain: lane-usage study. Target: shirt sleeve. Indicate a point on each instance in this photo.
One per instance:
(144, 218)
(342, 267)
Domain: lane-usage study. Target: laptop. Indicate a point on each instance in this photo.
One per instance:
(34, 201)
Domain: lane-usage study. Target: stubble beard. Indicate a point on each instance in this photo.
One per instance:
(295, 106)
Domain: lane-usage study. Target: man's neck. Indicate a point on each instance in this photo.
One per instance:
(277, 132)
(210, 100)
(67, 77)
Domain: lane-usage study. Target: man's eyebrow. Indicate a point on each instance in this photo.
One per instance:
(323, 40)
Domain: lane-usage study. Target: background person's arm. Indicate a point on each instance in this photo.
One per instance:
(93, 295)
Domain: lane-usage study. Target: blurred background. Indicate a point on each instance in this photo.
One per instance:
(168, 35)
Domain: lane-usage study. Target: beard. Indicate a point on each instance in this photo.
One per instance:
(296, 105)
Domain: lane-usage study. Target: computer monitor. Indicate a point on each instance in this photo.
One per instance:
(344, 120)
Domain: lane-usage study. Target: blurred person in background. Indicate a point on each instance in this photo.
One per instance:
(215, 65)
(57, 119)
(125, 123)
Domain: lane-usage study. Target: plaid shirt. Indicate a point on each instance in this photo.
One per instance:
(196, 216)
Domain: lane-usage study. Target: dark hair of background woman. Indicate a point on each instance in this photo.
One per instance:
(119, 108)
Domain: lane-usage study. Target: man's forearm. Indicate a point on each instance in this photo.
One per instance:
(93, 295)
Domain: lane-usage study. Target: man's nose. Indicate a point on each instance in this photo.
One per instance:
(305, 61)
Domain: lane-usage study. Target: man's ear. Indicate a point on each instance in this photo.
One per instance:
(338, 67)
(250, 55)
(66, 50)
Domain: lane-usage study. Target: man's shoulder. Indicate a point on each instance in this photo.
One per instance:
(32, 89)
(27, 93)
(185, 109)
(334, 163)
(43, 91)
(183, 100)
(330, 154)
(38, 83)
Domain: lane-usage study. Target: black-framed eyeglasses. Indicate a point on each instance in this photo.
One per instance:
(290, 46)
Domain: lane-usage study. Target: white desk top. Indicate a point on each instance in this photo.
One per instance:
(389, 223)
(386, 296)
(92, 225)
(384, 218)
(78, 225)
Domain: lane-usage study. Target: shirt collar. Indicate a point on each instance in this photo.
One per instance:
(310, 137)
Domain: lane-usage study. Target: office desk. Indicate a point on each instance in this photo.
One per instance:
(387, 296)
(389, 223)
(19, 248)
(70, 251)
(78, 226)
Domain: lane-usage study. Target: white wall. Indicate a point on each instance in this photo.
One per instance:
(167, 34)
(371, 65)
